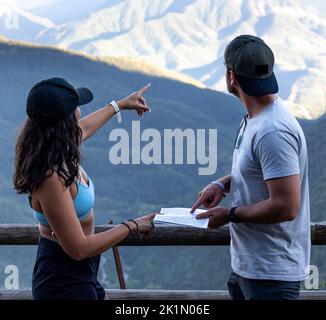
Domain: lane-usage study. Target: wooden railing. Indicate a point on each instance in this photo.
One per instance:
(25, 234)
(142, 294)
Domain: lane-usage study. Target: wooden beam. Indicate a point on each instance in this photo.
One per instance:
(141, 294)
(26, 234)
(318, 233)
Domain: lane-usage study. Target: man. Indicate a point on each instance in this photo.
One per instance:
(269, 210)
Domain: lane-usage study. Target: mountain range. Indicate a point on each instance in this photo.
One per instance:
(189, 36)
(124, 191)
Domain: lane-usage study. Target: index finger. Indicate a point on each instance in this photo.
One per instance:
(151, 216)
(197, 204)
(144, 89)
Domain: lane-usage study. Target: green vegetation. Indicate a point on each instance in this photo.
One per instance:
(129, 191)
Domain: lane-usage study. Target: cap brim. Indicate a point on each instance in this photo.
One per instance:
(85, 96)
(258, 87)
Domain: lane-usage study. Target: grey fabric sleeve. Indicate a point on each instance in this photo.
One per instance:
(278, 155)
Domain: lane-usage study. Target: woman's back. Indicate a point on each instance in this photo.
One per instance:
(82, 193)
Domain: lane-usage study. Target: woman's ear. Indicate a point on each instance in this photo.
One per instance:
(78, 113)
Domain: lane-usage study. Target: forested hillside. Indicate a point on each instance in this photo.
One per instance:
(131, 190)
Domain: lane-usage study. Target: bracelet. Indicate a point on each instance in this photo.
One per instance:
(219, 184)
(116, 109)
(135, 223)
(126, 224)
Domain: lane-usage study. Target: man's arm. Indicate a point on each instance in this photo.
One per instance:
(277, 153)
(278, 156)
(282, 205)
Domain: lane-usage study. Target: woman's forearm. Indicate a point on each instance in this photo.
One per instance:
(98, 243)
(94, 121)
(91, 123)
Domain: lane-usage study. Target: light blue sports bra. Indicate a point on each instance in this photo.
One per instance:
(83, 202)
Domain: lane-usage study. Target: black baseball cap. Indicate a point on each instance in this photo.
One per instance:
(252, 61)
(54, 99)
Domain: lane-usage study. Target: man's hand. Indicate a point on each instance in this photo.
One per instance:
(218, 217)
(209, 197)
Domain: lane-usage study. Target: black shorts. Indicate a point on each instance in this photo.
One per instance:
(56, 276)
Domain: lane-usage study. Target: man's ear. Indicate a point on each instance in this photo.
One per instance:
(233, 79)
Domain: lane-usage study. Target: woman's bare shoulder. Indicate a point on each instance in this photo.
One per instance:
(52, 181)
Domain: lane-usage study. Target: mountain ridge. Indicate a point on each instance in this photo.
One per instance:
(189, 37)
(122, 191)
(133, 190)
(127, 64)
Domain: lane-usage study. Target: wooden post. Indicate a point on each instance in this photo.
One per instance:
(118, 265)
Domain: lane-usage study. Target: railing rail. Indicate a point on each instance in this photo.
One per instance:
(26, 234)
(145, 294)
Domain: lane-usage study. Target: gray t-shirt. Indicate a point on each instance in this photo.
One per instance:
(272, 146)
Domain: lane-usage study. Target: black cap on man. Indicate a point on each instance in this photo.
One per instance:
(252, 62)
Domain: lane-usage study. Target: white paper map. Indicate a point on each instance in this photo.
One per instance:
(181, 216)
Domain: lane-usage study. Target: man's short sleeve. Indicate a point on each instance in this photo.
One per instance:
(278, 155)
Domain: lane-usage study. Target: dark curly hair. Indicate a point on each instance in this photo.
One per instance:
(43, 148)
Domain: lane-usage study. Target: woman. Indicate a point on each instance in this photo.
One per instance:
(47, 167)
